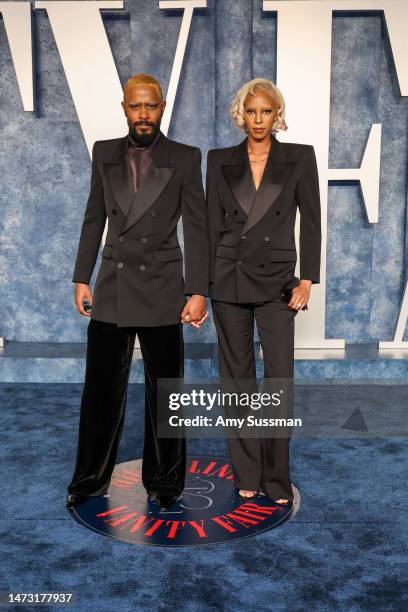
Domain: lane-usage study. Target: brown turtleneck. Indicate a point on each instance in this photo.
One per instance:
(139, 159)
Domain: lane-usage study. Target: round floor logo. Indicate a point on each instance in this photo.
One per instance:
(210, 510)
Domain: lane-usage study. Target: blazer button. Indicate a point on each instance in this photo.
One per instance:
(121, 239)
(243, 237)
(120, 265)
(266, 238)
(154, 213)
(114, 211)
(278, 212)
(143, 240)
(235, 212)
(142, 267)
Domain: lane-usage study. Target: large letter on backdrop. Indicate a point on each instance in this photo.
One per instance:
(304, 33)
(17, 22)
(88, 65)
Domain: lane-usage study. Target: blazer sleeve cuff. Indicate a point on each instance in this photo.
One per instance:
(79, 279)
(198, 291)
(313, 277)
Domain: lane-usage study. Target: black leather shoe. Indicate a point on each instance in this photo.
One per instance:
(165, 501)
(74, 500)
(151, 495)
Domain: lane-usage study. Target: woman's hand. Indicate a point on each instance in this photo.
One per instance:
(82, 293)
(300, 295)
(194, 311)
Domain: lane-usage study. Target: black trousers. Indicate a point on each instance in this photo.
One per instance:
(108, 362)
(257, 463)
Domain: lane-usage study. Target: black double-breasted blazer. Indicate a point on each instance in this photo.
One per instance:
(140, 281)
(251, 233)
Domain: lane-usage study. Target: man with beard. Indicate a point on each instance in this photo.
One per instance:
(142, 183)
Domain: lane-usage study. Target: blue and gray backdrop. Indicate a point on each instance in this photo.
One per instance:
(45, 166)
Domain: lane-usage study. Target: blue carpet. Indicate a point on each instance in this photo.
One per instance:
(344, 550)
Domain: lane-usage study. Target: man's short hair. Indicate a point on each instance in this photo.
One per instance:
(140, 78)
(237, 109)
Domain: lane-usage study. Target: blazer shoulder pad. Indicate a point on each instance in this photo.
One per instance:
(105, 148)
(215, 152)
(107, 144)
(221, 154)
(297, 146)
(181, 148)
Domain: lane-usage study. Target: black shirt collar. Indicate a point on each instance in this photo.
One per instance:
(135, 145)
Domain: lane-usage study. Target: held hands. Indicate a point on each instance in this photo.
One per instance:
(82, 293)
(194, 311)
(300, 295)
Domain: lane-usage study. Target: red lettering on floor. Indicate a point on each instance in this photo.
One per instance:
(112, 511)
(174, 527)
(227, 524)
(154, 527)
(199, 528)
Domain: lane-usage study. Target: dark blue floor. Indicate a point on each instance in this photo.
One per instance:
(346, 549)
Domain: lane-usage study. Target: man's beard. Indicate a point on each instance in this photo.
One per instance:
(144, 138)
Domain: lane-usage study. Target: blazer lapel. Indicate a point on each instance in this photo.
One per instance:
(158, 174)
(239, 179)
(275, 176)
(154, 181)
(118, 174)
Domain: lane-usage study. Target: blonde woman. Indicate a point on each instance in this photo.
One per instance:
(253, 192)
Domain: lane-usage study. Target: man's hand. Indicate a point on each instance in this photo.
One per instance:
(300, 295)
(82, 293)
(194, 311)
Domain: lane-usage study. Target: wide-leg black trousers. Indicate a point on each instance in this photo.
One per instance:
(257, 463)
(108, 362)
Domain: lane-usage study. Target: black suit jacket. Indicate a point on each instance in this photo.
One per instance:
(140, 280)
(251, 233)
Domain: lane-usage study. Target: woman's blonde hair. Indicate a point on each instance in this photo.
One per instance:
(237, 109)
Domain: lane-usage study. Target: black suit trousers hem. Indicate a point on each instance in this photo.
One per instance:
(108, 363)
(257, 463)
